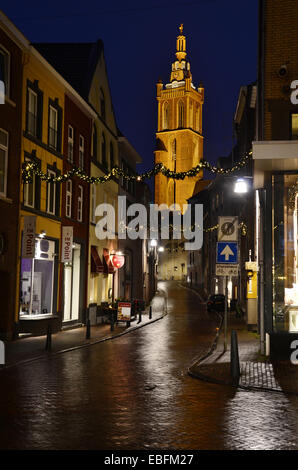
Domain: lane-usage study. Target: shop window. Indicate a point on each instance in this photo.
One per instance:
(81, 152)
(70, 144)
(68, 202)
(5, 69)
(37, 280)
(285, 251)
(80, 203)
(294, 126)
(3, 161)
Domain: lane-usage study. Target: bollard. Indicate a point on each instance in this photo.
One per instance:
(150, 312)
(88, 329)
(235, 365)
(140, 316)
(49, 338)
(112, 321)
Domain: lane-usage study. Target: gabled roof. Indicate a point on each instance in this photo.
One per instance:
(76, 62)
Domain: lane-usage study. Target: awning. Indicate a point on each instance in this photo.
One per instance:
(96, 263)
(107, 263)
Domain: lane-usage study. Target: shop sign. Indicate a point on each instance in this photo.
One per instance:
(118, 261)
(67, 241)
(124, 311)
(294, 94)
(28, 248)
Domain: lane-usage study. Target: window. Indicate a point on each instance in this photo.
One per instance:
(68, 201)
(103, 150)
(32, 113)
(34, 110)
(5, 68)
(112, 160)
(165, 116)
(294, 126)
(191, 115)
(3, 161)
(29, 190)
(94, 142)
(93, 202)
(53, 127)
(80, 203)
(81, 152)
(102, 105)
(180, 114)
(51, 194)
(70, 144)
(197, 119)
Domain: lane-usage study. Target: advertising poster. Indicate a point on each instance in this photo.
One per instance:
(124, 311)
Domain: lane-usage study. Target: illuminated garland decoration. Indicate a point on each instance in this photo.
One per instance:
(242, 226)
(31, 168)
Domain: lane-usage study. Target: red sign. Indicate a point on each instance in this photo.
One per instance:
(118, 261)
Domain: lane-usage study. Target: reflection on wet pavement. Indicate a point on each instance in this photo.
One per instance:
(134, 393)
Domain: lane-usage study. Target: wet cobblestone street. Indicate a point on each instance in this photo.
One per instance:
(134, 392)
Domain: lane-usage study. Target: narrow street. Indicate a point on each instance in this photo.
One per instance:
(134, 393)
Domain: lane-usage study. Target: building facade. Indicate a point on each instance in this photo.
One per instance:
(275, 155)
(12, 44)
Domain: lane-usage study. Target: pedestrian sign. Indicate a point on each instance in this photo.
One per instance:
(227, 252)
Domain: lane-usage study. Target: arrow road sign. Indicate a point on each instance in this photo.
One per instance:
(227, 252)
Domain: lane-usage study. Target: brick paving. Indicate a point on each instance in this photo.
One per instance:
(257, 372)
(31, 348)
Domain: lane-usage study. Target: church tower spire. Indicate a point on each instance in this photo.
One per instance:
(180, 68)
(179, 139)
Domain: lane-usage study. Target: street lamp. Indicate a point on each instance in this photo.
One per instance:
(153, 242)
(241, 186)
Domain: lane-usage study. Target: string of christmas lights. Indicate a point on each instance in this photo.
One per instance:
(31, 168)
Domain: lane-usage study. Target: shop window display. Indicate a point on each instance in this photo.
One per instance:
(36, 289)
(285, 252)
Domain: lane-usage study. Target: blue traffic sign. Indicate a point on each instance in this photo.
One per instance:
(227, 252)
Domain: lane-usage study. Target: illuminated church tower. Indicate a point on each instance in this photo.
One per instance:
(179, 144)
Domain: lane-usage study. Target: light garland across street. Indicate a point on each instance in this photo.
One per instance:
(31, 168)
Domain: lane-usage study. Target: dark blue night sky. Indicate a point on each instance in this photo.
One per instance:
(140, 40)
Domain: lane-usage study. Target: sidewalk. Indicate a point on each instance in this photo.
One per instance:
(28, 349)
(257, 372)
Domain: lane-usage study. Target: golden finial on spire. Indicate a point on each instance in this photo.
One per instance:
(181, 29)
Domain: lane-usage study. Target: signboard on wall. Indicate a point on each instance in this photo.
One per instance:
(28, 248)
(124, 311)
(67, 241)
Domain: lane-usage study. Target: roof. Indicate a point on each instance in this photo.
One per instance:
(76, 62)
